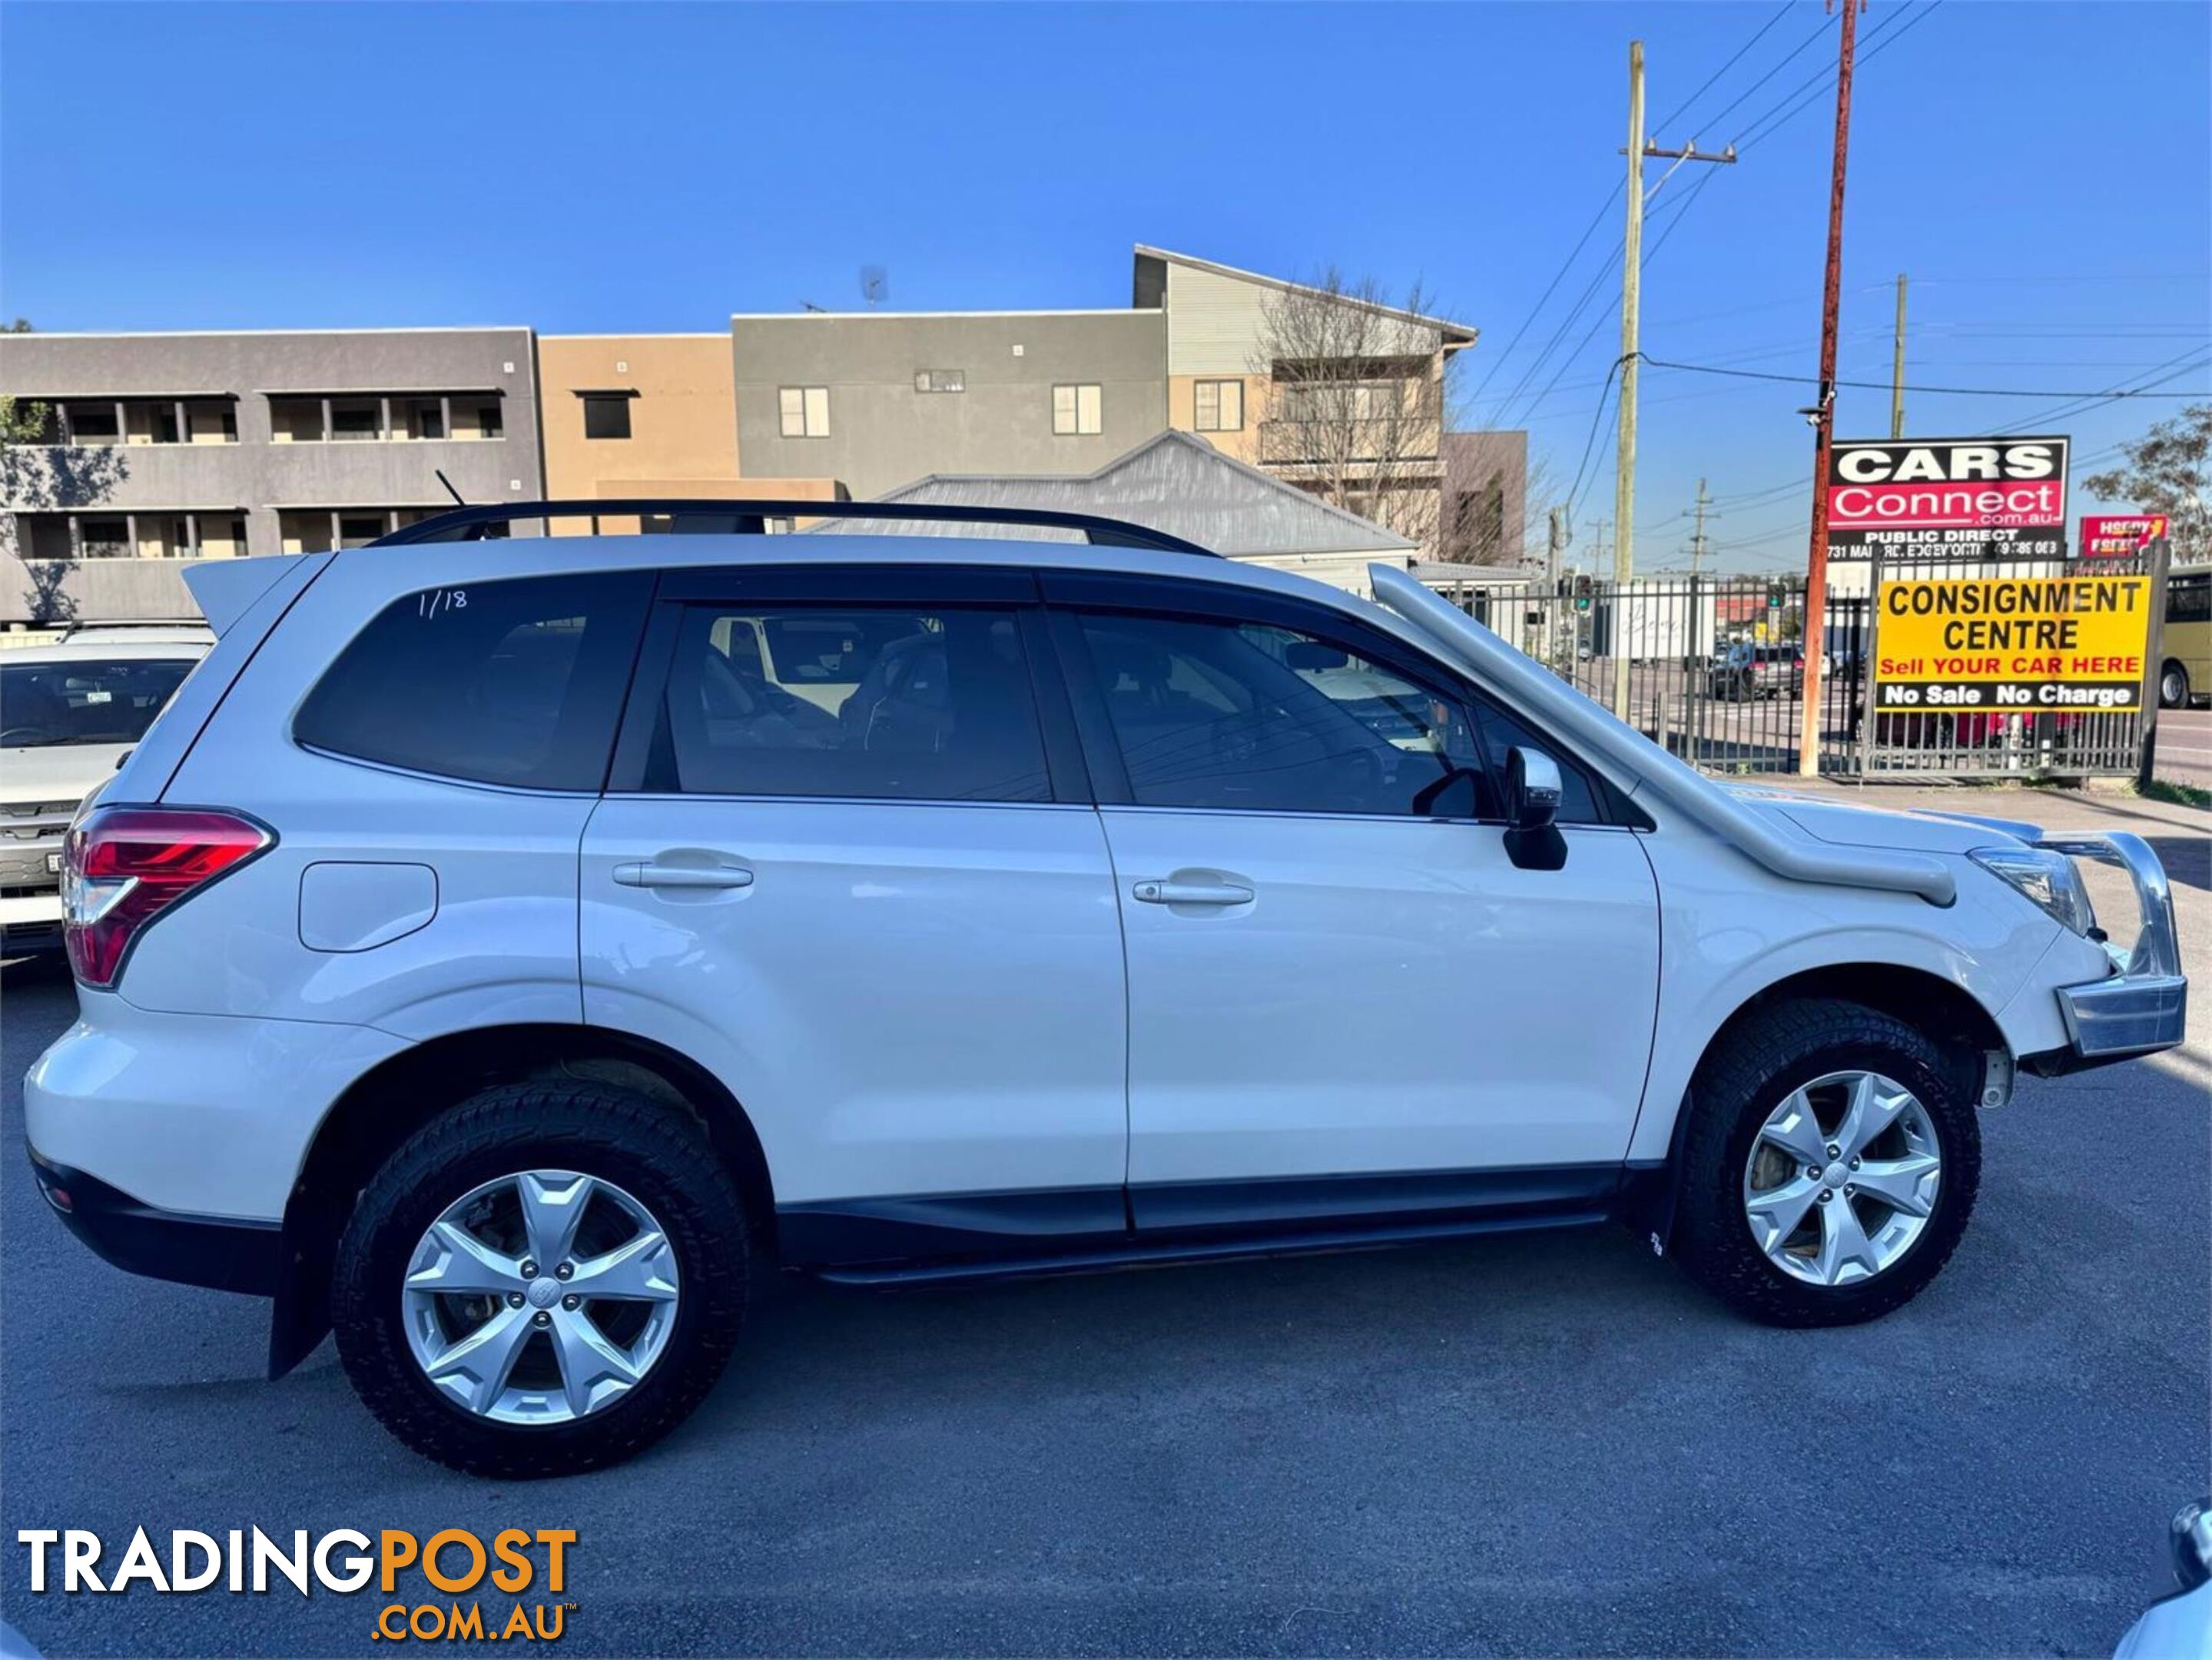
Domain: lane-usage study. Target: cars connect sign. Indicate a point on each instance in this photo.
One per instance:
(1964, 498)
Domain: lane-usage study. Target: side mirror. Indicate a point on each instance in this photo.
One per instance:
(1532, 791)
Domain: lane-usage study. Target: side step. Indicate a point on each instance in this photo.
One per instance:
(1166, 1253)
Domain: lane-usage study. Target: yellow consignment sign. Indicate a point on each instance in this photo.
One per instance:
(2021, 643)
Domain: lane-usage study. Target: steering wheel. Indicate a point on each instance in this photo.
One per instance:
(16, 737)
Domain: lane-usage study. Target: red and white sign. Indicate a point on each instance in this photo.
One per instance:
(2119, 535)
(1951, 497)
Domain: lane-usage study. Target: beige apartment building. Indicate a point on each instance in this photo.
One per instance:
(162, 449)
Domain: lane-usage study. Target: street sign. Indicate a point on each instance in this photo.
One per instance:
(2025, 643)
(2119, 535)
(1967, 498)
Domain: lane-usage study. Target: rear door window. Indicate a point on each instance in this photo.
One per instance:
(897, 703)
(518, 682)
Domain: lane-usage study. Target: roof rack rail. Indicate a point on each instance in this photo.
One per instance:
(750, 517)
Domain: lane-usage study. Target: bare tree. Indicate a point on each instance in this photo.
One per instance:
(2169, 471)
(1353, 404)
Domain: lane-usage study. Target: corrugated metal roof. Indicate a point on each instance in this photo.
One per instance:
(1176, 481)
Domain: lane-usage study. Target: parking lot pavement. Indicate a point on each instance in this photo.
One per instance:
(1549, 1444)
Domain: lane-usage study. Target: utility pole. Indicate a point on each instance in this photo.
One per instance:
(1697, 536)
(1897, 369)
(1823, 415)
(1632, 284)
(1631, 287)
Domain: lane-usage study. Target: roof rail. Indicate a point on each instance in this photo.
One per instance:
(750, 518)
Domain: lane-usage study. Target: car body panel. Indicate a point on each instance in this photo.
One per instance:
(199, 1116)
(1396, 996)
(909, 997)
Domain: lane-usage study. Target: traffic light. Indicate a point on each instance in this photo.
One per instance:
(1582, 593)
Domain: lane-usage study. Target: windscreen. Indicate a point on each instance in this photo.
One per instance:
(43, 705)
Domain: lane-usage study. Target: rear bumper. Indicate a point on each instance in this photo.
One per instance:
(220, 1252)
(2143, 1005)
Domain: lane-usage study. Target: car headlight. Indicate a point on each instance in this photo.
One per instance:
(2046, 878)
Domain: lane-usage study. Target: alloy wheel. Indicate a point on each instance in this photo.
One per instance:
(540, 1298)
(1842, 1178)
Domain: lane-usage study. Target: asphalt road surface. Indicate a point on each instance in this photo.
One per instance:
(1539, 1445)
(2184, 746)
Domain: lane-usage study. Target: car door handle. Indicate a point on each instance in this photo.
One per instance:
(1192, 893)
(642, 875)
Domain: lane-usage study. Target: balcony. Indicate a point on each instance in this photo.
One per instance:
(384, 418)
(112, 423)
(323, 530)
(142, 533)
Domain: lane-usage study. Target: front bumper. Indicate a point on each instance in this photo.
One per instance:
(30, 921)
(2143, 1005)
(193, 1250)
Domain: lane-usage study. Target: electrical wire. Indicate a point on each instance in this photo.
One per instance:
(1914, 392)
(1668, 120)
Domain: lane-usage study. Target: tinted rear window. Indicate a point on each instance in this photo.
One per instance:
(517, 683)
(45, 705)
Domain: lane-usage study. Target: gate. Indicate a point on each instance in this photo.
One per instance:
(1713, 667)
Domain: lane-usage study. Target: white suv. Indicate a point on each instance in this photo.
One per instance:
(509, 952)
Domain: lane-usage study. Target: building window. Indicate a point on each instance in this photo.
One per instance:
(607, 415)
(804, 411)
(93, 423)
(1220, 405)
(1076, 410)
(489, 421)
(941, 380)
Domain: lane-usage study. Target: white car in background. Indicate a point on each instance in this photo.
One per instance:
(68, 712)
(507, 953)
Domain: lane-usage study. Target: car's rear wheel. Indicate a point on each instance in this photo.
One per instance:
(546, 1279)
(1830, 1166)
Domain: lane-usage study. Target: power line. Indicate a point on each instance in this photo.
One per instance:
(1683, 107)
(1590, 444)
(1558, 276)
(1883, 385)
(1819, 29)
(1810, 92)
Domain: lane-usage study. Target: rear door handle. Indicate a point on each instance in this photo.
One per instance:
(1192, 893)
(641, 875)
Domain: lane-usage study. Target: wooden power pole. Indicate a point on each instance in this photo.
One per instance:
(1824, 414)
(1631, 301)
(1897, 369)
(1697, 536)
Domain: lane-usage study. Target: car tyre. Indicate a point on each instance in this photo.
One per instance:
(1748, 1078)
(651, 1156)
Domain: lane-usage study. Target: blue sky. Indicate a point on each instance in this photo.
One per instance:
(2044, 172)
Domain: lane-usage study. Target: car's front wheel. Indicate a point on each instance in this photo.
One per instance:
(2174, 686)
(546, 1279)
(1830, 1165)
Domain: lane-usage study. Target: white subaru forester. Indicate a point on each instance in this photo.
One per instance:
(506, 952)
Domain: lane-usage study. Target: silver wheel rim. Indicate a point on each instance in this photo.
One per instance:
(540, 1298)
(1842, 1178)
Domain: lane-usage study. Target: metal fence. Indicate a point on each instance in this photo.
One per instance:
(1713, 667)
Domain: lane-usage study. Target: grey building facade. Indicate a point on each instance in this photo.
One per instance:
(877, 400)
(172, 448)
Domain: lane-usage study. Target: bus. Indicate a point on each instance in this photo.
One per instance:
(2184, 674)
